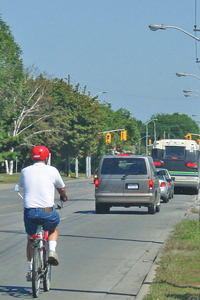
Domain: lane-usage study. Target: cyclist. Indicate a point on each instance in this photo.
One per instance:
(39, 182)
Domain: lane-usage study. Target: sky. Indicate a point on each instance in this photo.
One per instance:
(106, 45)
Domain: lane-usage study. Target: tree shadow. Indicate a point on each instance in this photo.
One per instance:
(16, 292)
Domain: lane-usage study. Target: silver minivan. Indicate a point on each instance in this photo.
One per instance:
(126, 180)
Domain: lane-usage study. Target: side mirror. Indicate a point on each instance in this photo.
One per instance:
(173, 178)
(16, 187)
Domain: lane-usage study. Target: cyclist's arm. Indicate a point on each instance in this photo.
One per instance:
(62, 193)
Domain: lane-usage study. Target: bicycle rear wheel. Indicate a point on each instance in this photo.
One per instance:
(36, 272)
(47, 273)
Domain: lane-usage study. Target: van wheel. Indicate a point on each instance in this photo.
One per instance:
(158, 208)
(102, 208)
(152, 209)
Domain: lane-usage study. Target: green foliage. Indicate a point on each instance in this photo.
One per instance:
(11, 69)
(38, 110)
(174, 126)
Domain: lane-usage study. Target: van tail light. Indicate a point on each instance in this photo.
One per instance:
(157, 163)
(150, 184)
(163, 184)
(191, 165)
(96, 183)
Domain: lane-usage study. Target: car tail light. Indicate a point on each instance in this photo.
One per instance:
(150, 184)
(191, 165)
(169, 183)
(163, 184)
(96, 182)
(157, 163)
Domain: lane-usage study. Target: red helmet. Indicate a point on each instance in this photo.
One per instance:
(40, 153)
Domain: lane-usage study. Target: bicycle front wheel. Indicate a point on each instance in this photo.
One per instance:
(47, 278)
(36, 272)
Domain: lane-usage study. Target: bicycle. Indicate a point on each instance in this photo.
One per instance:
(41, 269)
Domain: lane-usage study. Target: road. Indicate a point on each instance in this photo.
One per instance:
(101, 256)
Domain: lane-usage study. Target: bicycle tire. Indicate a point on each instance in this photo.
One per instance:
(47, 273)
(36, 272)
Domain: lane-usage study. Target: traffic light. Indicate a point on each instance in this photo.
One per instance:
(198, 142)
(188, 136)
(150, 142)
(108, 138)
(124, 135)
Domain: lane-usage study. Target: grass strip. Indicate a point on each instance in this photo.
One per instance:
(14, 178)
(178, 272)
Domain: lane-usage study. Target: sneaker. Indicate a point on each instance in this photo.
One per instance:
(53, 258)
(29, 276)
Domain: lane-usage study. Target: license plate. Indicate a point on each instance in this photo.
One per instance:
(132, 186)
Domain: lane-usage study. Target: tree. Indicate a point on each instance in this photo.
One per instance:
(174, 126)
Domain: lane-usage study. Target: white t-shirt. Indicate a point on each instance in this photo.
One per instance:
(39, 182)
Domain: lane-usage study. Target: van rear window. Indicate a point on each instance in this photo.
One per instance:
(174, 151)
(124, 166)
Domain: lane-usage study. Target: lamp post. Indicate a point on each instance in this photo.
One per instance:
(190, 91)
(191, 95)
(185, 74)
(152, 120)
(155, 27)
(104, 92)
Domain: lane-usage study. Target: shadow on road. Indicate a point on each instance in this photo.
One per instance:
(16, 292)
(26, 293)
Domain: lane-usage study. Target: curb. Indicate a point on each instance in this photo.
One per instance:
(148, 279)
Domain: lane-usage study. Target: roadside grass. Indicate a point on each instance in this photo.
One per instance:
(178, 272)
(5, 178)
(14, 178)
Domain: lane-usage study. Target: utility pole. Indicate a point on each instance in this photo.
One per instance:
(68, 79)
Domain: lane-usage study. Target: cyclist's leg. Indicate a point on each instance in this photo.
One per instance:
(29, 249)
(53, 237)
(50, 222)
(30, 228)
(53, 234)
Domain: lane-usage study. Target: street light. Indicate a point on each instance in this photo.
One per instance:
(191, 95)
(152, 120)
(104, 92)
(190, 91)
(155, 27)
(185, 74)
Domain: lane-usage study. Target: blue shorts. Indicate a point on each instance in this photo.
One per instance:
(49, 219)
